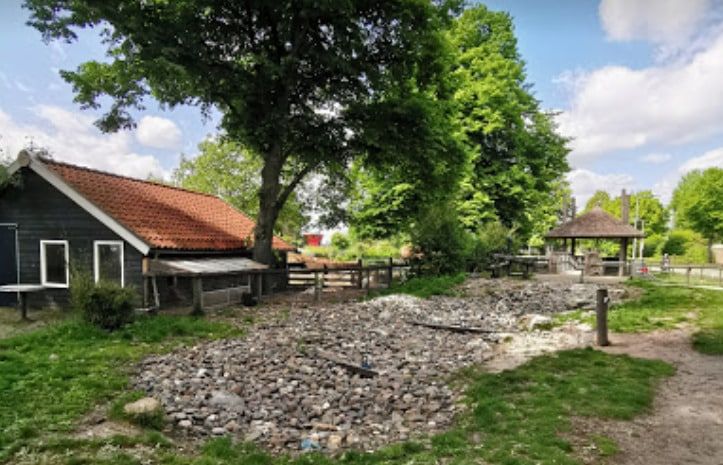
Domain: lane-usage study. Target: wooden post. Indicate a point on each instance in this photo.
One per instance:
(687, 275)
(197, 284)
(360, 274)
(260, 281)
(317, 288)
(369, 278)
(623, 256)
(390, 272)
(23, 304)
(601, 311)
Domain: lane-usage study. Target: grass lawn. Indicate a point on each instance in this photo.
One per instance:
(52, 376)
(426, 286)
(666, 307)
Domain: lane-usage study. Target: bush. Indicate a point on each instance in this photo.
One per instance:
(104, 305)
(444, 244)
(688, 246)
(340, 241)
(652, 245)
(490, 239)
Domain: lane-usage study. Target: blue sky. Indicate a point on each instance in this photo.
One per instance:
(638, 86)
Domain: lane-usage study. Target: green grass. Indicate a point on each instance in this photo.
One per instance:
(426, 286)
(50, 377)
(516, 417)
(666, 307)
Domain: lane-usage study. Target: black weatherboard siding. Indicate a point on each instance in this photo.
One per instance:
(8, 262)
(41, 212)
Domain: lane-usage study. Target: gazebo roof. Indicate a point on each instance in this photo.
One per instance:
(595, 224)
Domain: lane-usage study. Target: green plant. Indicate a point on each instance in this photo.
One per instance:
(427, 286)
(340, 241)
(491, 238)
(107, 305)
(653, 244)
(443, 242)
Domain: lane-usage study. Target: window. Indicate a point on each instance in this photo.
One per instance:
(54, 264)
(108, 261)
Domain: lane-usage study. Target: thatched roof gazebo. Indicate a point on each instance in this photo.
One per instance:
(597, 224)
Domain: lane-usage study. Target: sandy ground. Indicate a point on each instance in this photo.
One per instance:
(686, 423)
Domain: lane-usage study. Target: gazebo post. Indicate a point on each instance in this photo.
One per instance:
(572, 247)
(623, 255)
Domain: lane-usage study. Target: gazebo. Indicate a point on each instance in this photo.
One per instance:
(597, 224)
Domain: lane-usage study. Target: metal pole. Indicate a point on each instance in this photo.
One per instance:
(601, 311)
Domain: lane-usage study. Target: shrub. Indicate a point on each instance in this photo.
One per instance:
(340, 241)
(444, 244)
(687, 245)
(490, 239)
(652, 245)
(105, 305)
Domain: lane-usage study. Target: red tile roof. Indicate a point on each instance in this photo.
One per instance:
(164, 217)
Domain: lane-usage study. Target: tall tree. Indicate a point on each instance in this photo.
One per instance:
(227, 170)
(298, 82)
(698, 200)
(516, 155)
(648, 207)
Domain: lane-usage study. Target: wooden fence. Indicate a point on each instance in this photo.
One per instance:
(357, 276)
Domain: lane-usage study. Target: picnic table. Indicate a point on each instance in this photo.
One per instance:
(22, 290)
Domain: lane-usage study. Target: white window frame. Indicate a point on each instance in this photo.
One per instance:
(96, 257)
(44, 271)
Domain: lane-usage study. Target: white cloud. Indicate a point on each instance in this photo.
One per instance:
(157, 132)
(656, 158)
(616, 108)
(710, 159)
(584, 183)
(659, 21)
(71, 137)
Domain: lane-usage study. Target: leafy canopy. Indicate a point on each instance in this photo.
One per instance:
(698, 202)
(516, 156)
(649, 208)
(303, 83)
(225, 169)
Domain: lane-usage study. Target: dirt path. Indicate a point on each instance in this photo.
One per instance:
(686, 425)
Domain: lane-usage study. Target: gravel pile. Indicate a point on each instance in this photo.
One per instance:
(289, 386)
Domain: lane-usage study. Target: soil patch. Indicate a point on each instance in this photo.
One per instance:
(686, 423)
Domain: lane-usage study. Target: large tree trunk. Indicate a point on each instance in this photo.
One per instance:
(269, 206)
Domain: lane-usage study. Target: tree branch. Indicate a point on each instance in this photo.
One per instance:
(289, 188)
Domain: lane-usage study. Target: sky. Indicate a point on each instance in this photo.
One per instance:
(637, 86)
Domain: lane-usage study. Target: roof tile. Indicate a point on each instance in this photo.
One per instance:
(165, 217)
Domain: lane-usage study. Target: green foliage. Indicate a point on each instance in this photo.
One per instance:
(516, 156)
(491, 238)
(698, 204)
(653, 245)
(340, 241)
(442, 241)
(359, 249)
(685, 246)
(649, 208)
(226, 169)
(52, 376)
(706, 213)
(427, 286)
(304, 85)
(105, 305)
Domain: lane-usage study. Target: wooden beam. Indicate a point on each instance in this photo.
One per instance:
(457, 329)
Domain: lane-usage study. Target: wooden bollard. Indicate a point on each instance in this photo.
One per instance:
(601, 312)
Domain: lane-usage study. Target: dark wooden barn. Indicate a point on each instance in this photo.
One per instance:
(57, 220)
